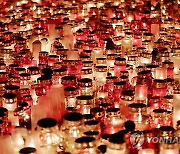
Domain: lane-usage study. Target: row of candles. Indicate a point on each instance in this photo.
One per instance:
(83, 77)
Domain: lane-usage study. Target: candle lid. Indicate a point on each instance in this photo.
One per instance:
(73, 116)
(97, 110)
(91, 133)
(68, 78)
(13, 65)
(47, 122)
(136, 107)
(47, 71)
(88, 117)
(9, 95)
(27, 150)
(85, 97)
(85, 142)
(116, 142)
(20, 69)
(11, 87)
(91, 123)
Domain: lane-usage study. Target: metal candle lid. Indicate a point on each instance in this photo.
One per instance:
(27, 150)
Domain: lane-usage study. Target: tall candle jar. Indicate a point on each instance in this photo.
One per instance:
(24, 115)
(67, 81)
(127, 44)
(119, 65)
(87, 73)
(160, 117)
(86, 86)
(70, 96)
(93, 125)
(159, 88)
(98, 114)
(34, 72)
(145, 78)
(58, 74)
(43, 57)
(141, 93)
(9, 101)
(100, 74)
(118, 88)
(25, 80)
(170, 68)
(48, 132)
(84, 103)
(113, 121)
(167, 103)
(127, 97)
(138, 114)
(71, 129)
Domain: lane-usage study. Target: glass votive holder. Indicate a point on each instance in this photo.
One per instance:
(118, 88)
(58, 74)
(159, 117)
(85, 144)
(167, 103)
(154, 102)
(71, 129)
(84, 103)
(9, 101)
(45, 82)
(170, 68)
(113, 121)
(160, 73)
(70, 96)
(119, 65)
(19, 70)
(92, 125)
(34, 72)
(141, 93)
(159, 87)
(25, 80)
(138, 114)
(100, 74)
(86, 86)
(111, 59)
(48, 132)
(67, 81)
(43, 57)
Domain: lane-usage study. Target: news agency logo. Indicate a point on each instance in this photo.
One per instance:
(137, 139)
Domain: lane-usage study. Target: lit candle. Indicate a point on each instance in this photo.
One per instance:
(36, 48)
(141, 93)
(160, 73)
